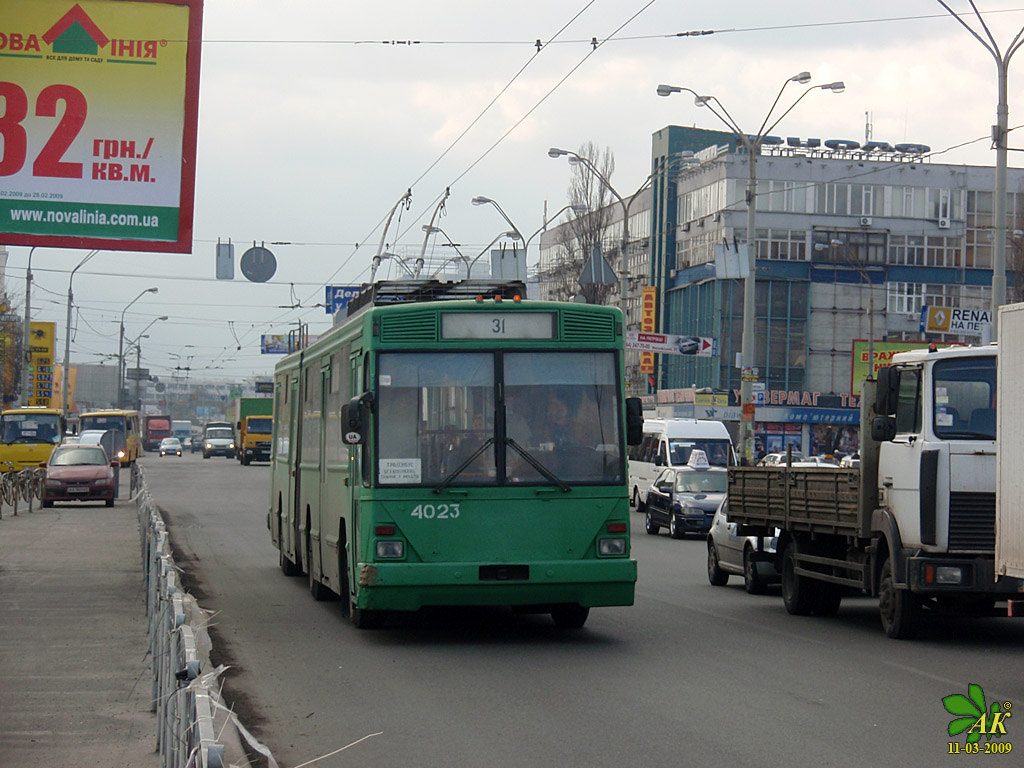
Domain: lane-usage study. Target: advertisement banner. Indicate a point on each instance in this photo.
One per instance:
(671, 344)
(274, 344)
(970, 322)
(883, 352)
(648, 319)
(99, 123)
(40, 364)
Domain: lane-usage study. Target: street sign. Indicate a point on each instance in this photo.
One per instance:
(597, 270)
(135, 374)
(338, 297)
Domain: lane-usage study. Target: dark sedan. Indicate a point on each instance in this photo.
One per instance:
(684, 500)
(79, 473)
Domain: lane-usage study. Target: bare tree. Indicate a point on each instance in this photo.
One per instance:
(584, 232)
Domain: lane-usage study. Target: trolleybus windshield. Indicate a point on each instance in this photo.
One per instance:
(475, 414)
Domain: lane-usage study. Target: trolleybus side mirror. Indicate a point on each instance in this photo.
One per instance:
(353, 425)
(634, 421)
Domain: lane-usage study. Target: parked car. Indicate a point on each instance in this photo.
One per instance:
(219, 441)
(170, 446)
(79, 472)
(685, 498)
(730, 553)
(773, 459)
(821, 461)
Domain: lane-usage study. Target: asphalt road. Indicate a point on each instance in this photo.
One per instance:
(689, 675)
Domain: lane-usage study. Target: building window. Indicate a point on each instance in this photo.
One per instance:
(905, 298)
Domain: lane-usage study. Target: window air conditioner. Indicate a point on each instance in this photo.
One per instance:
(943, 222)
(865, 221)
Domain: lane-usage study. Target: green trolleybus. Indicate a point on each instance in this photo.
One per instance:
(447, 444)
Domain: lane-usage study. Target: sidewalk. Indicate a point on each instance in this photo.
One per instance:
(75, 675)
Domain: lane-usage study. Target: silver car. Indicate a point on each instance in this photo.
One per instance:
(732, 554)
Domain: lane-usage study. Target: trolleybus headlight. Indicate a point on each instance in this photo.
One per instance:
(609, 547)
(390, 549)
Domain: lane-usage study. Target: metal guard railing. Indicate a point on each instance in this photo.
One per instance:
(194, 728)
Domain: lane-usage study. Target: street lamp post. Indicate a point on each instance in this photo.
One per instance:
(624, 244)
(137, 342)
(511, 234)
(481, 200)
(753, 146)
(1000, 135)
(26, 355)
(120, 349)
(66, 372)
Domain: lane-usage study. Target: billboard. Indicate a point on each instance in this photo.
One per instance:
(99, 125)
(40, 365)
(671, 344)
(883, 352)
(274, 344)
(648, 318)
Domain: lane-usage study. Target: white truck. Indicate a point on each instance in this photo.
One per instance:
(915, 523)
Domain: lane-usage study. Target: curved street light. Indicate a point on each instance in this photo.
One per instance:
(67, 337)
(120, 349)
(138, 355)
(481, 200)
(511, 234)
(753, 146)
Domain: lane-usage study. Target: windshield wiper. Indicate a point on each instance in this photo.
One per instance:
(448, 480)
(547, 473)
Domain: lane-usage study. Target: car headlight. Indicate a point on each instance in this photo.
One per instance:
(231, 446)
(54, 483)
(209, 445)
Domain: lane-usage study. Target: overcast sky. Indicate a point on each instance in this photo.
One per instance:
(311, 128)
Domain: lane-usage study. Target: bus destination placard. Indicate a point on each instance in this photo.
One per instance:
(497, 325)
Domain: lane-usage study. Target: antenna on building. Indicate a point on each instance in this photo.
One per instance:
(867, 127)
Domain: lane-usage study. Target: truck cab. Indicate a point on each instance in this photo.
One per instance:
(937, 473)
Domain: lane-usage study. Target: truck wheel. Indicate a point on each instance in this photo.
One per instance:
(752, 580)
(716, 575)
(900, 609)
(797, 591)
(827, 599)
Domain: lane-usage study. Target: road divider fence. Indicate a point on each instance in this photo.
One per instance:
(194, 727)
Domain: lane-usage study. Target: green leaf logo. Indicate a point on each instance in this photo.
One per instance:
(974, 715)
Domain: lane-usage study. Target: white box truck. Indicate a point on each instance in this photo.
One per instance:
(1010, 435)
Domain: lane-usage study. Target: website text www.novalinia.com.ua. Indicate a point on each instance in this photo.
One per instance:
(84, 216)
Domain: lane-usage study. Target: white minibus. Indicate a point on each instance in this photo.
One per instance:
(667, 443)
